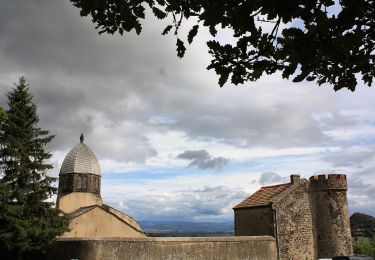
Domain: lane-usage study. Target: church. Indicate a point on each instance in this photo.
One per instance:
(79, 199)
(301, 219)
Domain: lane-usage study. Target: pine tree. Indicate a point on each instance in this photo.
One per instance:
(28, 221)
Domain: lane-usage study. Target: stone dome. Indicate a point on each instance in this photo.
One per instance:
(80, 160)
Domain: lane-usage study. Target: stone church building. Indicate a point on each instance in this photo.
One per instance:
(309, 219)
(79, 198)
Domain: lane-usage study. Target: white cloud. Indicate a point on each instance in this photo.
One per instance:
(140, 107)
(267, 178)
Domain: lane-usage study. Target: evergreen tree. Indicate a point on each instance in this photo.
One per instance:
(2, 115)
(28, 222)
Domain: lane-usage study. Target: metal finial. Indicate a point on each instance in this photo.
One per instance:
(81, 138)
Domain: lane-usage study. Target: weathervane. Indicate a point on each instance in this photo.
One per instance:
(81, 138)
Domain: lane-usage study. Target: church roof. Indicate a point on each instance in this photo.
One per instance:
(111, 211)
(264, 196)
(80, 160)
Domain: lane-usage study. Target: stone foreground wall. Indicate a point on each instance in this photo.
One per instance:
(154, 248)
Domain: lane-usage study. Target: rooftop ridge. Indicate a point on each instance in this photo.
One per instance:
(275, 185)
(263, 196)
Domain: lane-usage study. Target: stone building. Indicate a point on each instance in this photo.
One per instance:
(309, 219)
(79, 198)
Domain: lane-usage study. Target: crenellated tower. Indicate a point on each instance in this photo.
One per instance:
(331, 214)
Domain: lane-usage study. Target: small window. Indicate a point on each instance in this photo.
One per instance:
(84, 182)
(79, 182)
(96, 183)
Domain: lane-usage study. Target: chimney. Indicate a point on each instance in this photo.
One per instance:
(295, 178)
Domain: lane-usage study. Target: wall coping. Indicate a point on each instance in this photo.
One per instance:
(169, 239)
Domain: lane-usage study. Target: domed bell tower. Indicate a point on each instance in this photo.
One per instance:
(79, 179)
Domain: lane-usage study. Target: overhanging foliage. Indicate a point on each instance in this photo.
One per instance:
(324, 41)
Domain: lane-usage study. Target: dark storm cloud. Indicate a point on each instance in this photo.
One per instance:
(109, 87)
(203, 160)
(267, 178)
(71, 69)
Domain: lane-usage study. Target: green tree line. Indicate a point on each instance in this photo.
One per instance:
(364, 246)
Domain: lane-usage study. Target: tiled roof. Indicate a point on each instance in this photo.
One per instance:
(264, 196)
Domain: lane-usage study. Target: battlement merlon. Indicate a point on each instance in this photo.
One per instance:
(330, 182)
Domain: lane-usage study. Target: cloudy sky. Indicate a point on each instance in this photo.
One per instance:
(173, 145)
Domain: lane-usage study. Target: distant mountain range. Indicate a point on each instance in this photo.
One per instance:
(362, 225)
(183, 228)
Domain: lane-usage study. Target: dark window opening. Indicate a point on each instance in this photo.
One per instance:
(84, 182)
(79, 182)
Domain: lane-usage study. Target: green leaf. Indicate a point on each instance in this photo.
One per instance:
(224, 74)
(180, 48)
(193, 32)
(161, 2)
(167, 29)
(159, 13)
(138, 27)
(301, 76)
(213, 30)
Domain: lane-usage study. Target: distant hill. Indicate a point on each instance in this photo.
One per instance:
(190, 229)
(362, 225)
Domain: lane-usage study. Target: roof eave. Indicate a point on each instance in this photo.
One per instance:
(252, 207)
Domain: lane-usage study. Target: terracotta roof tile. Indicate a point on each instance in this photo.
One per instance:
(263, 196)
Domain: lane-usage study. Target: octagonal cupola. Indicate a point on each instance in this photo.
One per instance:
(80, 171)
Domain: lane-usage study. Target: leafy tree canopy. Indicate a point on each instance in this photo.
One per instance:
(364, 246)
(325, 41)
(28, 222)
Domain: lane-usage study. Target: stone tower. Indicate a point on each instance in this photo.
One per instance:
(79, 179)
(330, 207)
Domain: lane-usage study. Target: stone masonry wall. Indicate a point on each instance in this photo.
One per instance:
(254, 222)
(295, 224)
(332, 215)
(332, 224)
(207, 248)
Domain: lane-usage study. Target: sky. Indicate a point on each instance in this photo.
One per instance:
(172, 145)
